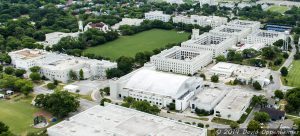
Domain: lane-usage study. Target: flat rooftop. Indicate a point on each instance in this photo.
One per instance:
(226, 67)
(235, 101)
(243, 23)
(208, 39)
(28, 53)
(209, 95)
(267, 34)
(114, 120)
(229, 29)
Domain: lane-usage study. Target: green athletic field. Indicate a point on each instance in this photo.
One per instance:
(144, 41)
(294, 74)
(280, 9)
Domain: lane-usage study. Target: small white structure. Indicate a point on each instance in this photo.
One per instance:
(218, 44)
(182, 60)
(71, 88)
(55, 37)
(100, 26)
(175, 1)
(247, 74)
(114, 120)
(209, 2)
(212, 21)
(235, 31)
(256, 46)
(2, 96)
(234, 105)
(158, 88)
(208, 98)
(157, 15)
(9, 92)
(57, 66)
(265, 37)
(128, 21)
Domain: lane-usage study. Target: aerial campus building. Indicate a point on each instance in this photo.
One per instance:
(218, 44)
(253, 25)
(55, 37)
(208, 98)
(265, 37)
(128, 21)
(114, 120)
(182, 60)
(209, 2)
(212, 21)
(234, 31)
(158, 88)
(246, 74)
(157, 15)
(234, 105)
(57, 66)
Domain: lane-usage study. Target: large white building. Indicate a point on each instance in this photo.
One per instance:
(265, 37)
(57, 66)
(209, 2)
(208, 98)
(253, 25)
(247, 74)
(235, 31)
(157, 15)
(128, 21)
(182, 60)
(55, 37)
(113, 120)
(158, 88)
(212, 21)
(234, 105)
(218, 44)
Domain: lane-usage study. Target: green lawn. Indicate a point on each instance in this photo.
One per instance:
(294, 74)
(144, 41)
(18, 114)
(280, 9)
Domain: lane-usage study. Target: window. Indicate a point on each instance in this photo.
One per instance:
(120, 95)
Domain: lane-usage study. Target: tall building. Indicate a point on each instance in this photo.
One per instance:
(213, 21)
(157, 15)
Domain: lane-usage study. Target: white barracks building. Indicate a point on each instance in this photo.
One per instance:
(157, 15)
(57, 66)
(265, 37)
(182, 60)
(218, 44)
(212, 21)
(155, 87)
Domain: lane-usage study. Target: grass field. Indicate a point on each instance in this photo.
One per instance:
(294, 74)
(144, 41)
(280, 9)
(18, 114)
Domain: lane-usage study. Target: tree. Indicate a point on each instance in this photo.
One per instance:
(20, 72)
(81, 76)
(1, 68)
(50, 86)
(114, 72)
(104, 100)
(292, 96)
(35, 69)
(271, 78)
(262, 117)
(234, 125)
(279, 94)
(259, 100)
(203, 76)
(34, 76)
(257, 85)
(278, 43)
(253, 126)
(221, 58)
(59, 103)
(3, 128)
(72, 75)
(9, 70)
(145, 107)
(215, 78)
(125, 64)
(171, 106)
(284, 71)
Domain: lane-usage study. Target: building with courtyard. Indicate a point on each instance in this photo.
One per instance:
(234, 105)
(182, 60)
(58, 66)
(235, 31)
(265, 37)
(157, 15)
(208, 98)
(114, 120)
(218, 44)
(212, 21)
(158, 88)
